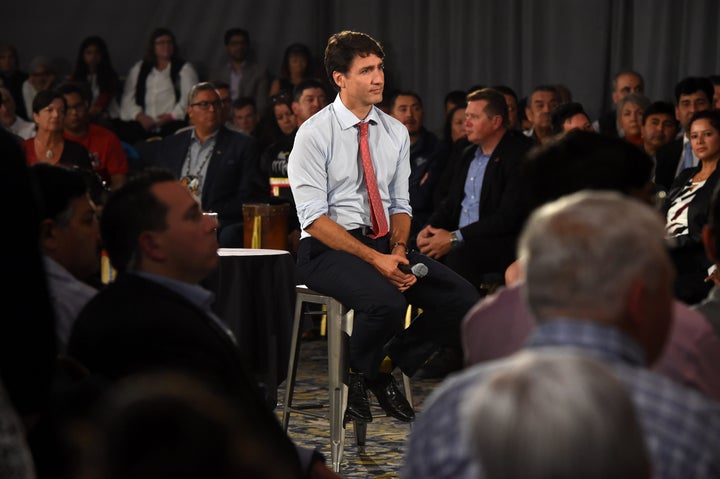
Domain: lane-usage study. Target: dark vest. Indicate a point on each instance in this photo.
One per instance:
(145, 68)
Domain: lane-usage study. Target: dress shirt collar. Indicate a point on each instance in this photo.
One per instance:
(605, 342)
(194, 138)
(194, 293)
(348, 119)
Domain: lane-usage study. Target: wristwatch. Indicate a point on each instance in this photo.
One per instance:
(454, 241)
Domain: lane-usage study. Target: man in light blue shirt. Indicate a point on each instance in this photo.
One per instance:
(70, 239)
(340, 255)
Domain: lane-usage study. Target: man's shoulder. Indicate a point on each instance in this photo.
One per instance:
(132, 298)
(515, 140)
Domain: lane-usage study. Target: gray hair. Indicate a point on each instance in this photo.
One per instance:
(198, 87)
(581, 253)
(636, 99)
(554, 415)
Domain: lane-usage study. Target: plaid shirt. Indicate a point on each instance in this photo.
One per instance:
(682, 427)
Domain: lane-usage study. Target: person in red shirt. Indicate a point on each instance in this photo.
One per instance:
(106, 152)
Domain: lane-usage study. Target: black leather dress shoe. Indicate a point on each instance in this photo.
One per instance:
(358, 406)
(390, 398)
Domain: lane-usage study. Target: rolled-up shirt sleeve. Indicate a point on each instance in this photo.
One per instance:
(307, 173)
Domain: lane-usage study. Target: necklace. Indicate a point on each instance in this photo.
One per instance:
(49, 153)
(192, 179)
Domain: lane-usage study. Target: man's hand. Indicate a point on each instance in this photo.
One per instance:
(434, 242)
(387, 265)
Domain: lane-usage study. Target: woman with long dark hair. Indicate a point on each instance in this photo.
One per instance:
(157, 87)
(94, 68)
(687, 206)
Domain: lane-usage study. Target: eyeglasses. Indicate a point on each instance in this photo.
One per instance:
(205, 105)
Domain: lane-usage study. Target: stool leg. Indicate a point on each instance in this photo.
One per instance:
(292, 367)
(360, 432)
(337, 368)
(408, 390)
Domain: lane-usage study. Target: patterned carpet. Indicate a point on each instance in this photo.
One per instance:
(383, 453)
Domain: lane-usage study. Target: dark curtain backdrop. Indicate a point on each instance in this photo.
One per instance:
(432, 46)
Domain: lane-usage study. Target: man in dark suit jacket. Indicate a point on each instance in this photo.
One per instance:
(692, 94)
(155, 316)
(245, 77)
(476, 227)
(220, 167)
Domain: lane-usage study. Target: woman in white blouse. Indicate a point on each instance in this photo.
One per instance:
(687, 207)
(156, 88)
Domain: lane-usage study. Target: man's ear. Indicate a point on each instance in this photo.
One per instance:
(339, 79)
(149, 245)
(710, 243)
(47, 234)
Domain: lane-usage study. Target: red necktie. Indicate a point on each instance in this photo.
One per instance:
(377, 212)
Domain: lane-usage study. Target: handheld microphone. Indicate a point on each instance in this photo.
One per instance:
(417, 269)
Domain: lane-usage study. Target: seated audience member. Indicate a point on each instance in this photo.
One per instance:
(692, 95)
(309, 97)
(512, 103)
(16, 454)
(12, 78)
(710, 307)
(427, 155)
(245, 116)
(9, 118)
(630, 111)
(476, 237)
(540, 104)
(48, 145)
(107, 154)
(687, 206)
(570, 116)
(70, 240)
(297, 65)
(274, 161)
(42, 77)
(28, 347)
(454, 99)
(619, 315)
(153, 99)
(169, 426)
(93, 68)
(220, 168)
(624, 83)
(715, 80)
(454, 128)
(162, 246)
(499, 325)
(244, 75)
(595, 429)
(659, 126)
(223, 90)
(455, 141)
